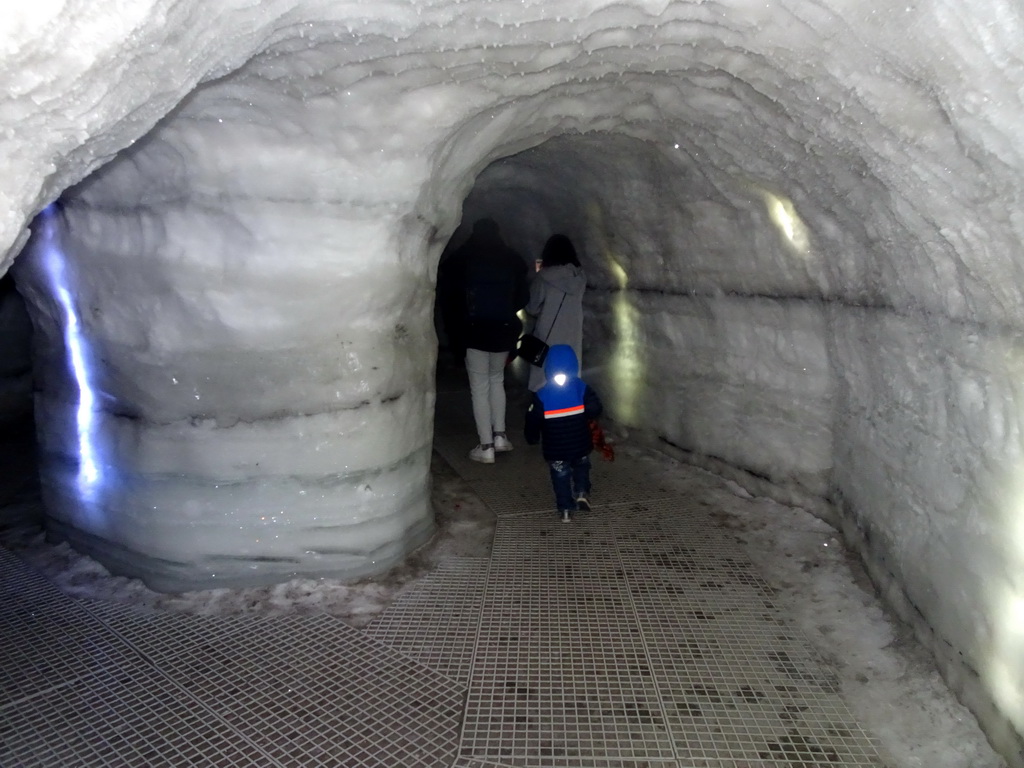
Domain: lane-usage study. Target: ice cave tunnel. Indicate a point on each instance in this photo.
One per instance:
(801, 221)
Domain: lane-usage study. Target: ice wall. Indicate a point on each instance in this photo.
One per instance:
(259, 354)
(800, 220)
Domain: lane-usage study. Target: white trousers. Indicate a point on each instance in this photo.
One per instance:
(487, 387)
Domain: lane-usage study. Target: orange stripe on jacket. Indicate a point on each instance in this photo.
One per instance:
(562, 412)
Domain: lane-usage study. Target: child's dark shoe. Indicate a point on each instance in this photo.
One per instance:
(582, 505)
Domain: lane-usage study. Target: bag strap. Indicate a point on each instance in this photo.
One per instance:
(553, 319)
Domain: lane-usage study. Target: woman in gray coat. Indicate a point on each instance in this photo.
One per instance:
(556, 301)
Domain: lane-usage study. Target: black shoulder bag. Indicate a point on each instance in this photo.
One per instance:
(534, 350)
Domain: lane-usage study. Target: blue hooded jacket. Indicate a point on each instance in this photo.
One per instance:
(560, 411)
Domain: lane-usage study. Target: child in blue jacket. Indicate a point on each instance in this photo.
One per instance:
(558, 418)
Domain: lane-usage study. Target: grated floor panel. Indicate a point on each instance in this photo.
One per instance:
(636, 633)
(149, 630)
(325, 692)
(638, 636)
(135, 718)
(48, 641)
(437, 623)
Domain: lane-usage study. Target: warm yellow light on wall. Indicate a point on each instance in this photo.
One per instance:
(783, 214)
(1002, 665)
(625, 366)
(618, 272)
(1006, 667)
(1005, 670)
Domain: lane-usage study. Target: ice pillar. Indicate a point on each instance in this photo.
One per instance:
(235, 390)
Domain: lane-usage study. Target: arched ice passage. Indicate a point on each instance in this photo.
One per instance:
(802, 229)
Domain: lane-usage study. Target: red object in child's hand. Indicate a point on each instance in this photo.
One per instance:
(598, 440)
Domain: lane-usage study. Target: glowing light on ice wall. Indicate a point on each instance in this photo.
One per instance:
(783, 214)
(54, 264)
(1005, 667)
(625, 366)
(626, 363)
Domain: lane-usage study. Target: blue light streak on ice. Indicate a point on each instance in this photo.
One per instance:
(54, 263)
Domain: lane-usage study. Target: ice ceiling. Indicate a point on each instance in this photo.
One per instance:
(801, 220)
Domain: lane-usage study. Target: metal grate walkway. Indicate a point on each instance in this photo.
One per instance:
(638, 636)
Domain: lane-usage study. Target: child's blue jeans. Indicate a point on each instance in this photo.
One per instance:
(570, 479)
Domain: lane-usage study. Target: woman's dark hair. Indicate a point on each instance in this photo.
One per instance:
(558, 250)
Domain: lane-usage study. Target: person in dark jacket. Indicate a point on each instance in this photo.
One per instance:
(559, 418)
(483, 287)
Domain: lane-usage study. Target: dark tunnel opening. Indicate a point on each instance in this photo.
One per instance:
(19, 473)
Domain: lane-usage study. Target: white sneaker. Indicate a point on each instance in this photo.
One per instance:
(502, 444)
(483, 455)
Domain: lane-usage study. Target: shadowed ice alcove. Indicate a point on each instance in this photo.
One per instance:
(801, 229)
